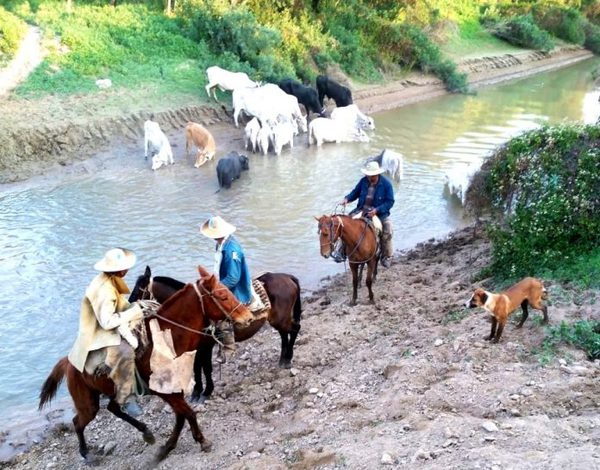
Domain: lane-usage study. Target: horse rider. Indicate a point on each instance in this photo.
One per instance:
(104, 323)
(375, 196)
(231, 269)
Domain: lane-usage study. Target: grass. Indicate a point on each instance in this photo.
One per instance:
(583, 334)
(474, 41)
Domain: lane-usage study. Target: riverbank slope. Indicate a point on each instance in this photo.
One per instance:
(408, 382)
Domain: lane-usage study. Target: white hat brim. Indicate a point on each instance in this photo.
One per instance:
(223, 230)
(372, 172)
(106, 266)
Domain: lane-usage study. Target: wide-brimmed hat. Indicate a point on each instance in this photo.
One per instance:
(372, 169)
(116, 259)
(216, 227)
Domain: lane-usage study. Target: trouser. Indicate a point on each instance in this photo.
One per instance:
(121, 360)
(387, 249)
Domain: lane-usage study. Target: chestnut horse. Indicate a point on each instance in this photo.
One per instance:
(286, 309)
(360, 242)
(186, 314)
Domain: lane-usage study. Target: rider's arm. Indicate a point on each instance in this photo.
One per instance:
(106, 314)
(388, 199)
(233, 268)
(353, 195)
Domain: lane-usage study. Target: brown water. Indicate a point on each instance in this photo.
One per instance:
(52, 231)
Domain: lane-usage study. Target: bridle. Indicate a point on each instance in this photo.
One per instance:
(334, 235)
(204, 292)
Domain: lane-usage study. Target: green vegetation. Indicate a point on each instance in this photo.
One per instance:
(12, 31)
(584, 334)
(544, 187)
(138, 46)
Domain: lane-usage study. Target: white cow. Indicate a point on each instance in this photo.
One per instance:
(269, 104)
(282, 134)
(262, 139)
(157, 143)
(352, 115)
(251, 134)
(457, 180)
(392, 162)
(226, 80)
(330, 130)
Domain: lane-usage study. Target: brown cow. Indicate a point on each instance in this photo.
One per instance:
(203, 140)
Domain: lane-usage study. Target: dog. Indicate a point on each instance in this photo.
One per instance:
(529, 291)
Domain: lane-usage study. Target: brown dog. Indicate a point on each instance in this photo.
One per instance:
(527, 291)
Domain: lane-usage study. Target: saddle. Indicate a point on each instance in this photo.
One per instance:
(260, 305)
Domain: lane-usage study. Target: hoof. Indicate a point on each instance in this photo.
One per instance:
(198, 398)
(149, 438)
(285, 364)
(206, 445)
(352, 303)
(92, 460)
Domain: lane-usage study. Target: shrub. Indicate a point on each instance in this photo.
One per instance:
(564, 23)
(592, 37)
(522, 31)
(544, 187)
(584, 334)
(12, 31)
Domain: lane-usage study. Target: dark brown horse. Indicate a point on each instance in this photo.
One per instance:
(286, 308)
(360, 242)
(186, 313)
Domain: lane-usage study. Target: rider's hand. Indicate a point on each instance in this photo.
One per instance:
(372, 213)
(344, 202)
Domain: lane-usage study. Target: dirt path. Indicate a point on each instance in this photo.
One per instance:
(28, 57)
(406, 383)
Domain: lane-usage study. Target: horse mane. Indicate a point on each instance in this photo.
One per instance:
(169, 281)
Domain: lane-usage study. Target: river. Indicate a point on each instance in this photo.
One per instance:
(52, 231)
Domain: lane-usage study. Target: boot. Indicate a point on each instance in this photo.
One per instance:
(226, 336)
(132, 407)
(386, 262)
(339, 253)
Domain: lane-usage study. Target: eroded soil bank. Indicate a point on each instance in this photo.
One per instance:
(41, 135)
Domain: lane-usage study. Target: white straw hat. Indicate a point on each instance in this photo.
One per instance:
(116, 259)
(216, 227)
(372, 169)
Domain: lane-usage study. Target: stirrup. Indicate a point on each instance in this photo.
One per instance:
(337, 257)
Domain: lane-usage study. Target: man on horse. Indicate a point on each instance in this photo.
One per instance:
(375, 196)
(231, 268)
(103, 323)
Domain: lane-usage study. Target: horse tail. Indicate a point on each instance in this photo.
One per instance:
(298, 303)
(53, 381)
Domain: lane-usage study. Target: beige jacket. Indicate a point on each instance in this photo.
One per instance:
(99, 317)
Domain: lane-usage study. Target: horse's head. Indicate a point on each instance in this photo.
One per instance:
(329, 231)
(141, 290)
(219, 301)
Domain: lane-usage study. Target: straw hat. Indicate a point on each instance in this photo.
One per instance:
(117, 259)
(372, 169)
(216, 227)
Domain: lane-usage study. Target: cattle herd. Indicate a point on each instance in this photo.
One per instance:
(275, 118)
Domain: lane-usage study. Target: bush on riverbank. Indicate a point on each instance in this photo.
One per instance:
(544, 190)
(12, 31)
(521, 31)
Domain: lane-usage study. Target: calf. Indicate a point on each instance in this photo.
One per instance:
(197, 135)
(328, 130)
(282, 134)
(230, 168)
(306, 95)
(156, 142)
(226, 80)
(251, 134)
(391, 162)
(333, 90)
(458, 179)
(262, 139)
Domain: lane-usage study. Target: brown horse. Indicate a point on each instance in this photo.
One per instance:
(283, 291)
(360, 242)
(186, 314)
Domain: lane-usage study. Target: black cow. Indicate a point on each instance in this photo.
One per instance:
(333, 90)
(306, 95)
(230, 168)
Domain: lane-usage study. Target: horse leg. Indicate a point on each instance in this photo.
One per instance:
(115, 409)
(203, 363)
(87, 405)
(182, 412)
(370, 269)
(284, 348)
(354, 269)
(290, 349)
(360, 273)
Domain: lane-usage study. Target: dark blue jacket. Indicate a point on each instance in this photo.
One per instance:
(383, 199)
(234, 272)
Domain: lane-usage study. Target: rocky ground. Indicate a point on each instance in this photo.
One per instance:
(406, 383)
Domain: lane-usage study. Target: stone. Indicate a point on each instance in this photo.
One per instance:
(438, 342)
(386, 459)
(489, 426)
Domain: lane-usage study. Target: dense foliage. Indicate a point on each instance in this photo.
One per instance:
(521, 30)
(584, 334)
(544, 188)
(12, 31)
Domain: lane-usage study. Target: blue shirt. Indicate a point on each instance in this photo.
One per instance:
(383, 200)
(234, 272)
